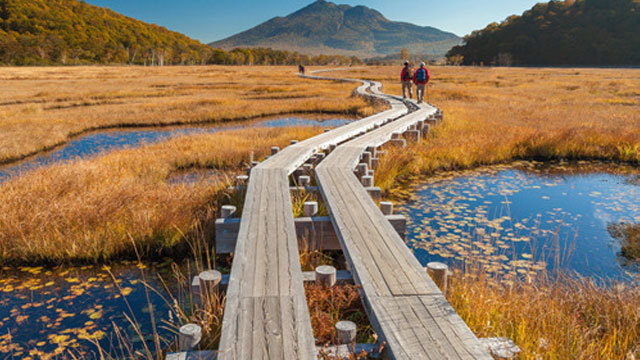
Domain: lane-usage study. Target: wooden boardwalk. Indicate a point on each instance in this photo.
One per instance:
(266, 315)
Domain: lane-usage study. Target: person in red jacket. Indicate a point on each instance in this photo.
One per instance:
(421, 78)
(405, 78)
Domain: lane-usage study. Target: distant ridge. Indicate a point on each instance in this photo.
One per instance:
(326, 28)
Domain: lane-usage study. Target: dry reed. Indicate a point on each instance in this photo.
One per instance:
(88, 210)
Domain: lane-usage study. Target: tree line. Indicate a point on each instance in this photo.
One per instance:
(72, 32)
(571, 32)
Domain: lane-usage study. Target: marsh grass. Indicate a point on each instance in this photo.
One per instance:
(629, 237)
(551, 317)
(42, 107)
(495, 115)
(93, 210)
(499, 115)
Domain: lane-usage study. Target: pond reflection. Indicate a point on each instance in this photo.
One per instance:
(525, 217)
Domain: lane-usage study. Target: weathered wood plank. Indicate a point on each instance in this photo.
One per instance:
(404, 304)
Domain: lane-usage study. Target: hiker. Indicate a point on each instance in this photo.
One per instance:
(405, 78)
(421, 78)
(301, 69)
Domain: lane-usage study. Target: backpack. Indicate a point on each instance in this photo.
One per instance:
(407, 75)
(421, 75)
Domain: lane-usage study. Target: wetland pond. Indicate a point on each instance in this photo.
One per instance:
(525, 217)
(48, 312)
(96, 143)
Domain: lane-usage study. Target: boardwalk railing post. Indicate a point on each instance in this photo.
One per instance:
(439, 272)
(326, 276)
(189, 337)
(310, 208)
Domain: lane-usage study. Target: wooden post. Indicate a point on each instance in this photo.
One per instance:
(345, 332)
(439, 273)
(189, 337)
(210, 281)
(366, 158)
(375, 162)
(361, 170)
(310, 208)
(386, 207)
(227, 211)
(399, 142)
(413, 135)
(274, 150)
(242, 179)
(367, 181)
(326, 276)
(304, 180)
(425, 129)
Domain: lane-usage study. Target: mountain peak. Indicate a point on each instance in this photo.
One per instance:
(324, 27)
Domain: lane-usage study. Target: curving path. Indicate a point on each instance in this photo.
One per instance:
(266, 315)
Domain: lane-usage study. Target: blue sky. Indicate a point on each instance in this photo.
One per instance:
(210, 20)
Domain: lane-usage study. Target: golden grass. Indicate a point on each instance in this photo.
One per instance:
(498, 115)
(97, 209)
(495, 115)
(551, 319)
(43, 107)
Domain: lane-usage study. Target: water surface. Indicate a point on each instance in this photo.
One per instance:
(525, 217)
(104, 141)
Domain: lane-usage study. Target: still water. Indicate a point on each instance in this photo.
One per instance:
(525, 217)
(109, 140)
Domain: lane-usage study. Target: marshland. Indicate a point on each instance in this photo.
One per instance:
(505, 129)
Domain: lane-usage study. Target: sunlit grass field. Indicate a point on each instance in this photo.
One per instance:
(42, 107)
(494, 115)
(499, 115)
(97, 209)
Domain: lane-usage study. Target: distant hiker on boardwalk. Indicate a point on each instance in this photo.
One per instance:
(301, 69)
(421, 78)
(405, 78)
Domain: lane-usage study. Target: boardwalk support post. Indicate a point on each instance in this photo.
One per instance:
(326, 276)
(346, 333)
(310, 208)
(439, 273)
(210, 282)
(386, 207)
(367, 181)
(189, 337)
(274, 150)
(366, 158)
(227, 211)
(242, 179)
(304, 180)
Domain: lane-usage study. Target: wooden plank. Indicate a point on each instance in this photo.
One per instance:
(313, 233)
(405, 306)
